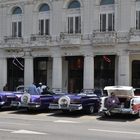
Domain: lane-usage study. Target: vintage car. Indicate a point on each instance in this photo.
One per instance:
(6, 97)
(129, 103)
(137, 91)
(87, 100)
(31, 101)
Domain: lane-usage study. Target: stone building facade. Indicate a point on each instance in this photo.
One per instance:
(70, 44)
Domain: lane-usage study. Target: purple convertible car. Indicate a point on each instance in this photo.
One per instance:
(87, 100)
(32, 101)
(6, 97)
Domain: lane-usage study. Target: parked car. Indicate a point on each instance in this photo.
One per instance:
(137, 91)
(129, 102)
(6, 97)
(32, 101)
(87, 100)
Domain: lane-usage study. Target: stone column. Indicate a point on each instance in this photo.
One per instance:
(57, 74)
(3, 72)
(123, 70)
(88, 72)
(28, 70)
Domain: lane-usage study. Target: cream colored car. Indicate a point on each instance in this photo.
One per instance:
(129, 103)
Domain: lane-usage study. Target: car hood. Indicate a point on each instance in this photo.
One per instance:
(120, 90)
(7, 93)
(75, 96)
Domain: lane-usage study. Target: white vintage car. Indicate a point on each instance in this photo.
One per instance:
(131, 106)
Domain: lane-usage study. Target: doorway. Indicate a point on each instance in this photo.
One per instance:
(75, 73)
(136, 73)
(104, 74)
(15, 73)
(40, 70)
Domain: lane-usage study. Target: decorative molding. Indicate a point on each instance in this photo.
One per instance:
(70, 39)
(104, 38)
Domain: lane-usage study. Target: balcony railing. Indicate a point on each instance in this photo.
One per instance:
(13, 40)
(104, 38)
(40, 38)
(134, 36)
(70, 39)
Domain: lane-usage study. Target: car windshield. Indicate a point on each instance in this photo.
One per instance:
(96, 92)
(22, 89)
(57, 91)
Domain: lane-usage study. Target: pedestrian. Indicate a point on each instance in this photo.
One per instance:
(32, 89)
(39, 88)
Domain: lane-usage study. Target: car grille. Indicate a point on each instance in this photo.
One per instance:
(9, 99)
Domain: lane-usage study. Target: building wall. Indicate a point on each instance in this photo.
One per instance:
(124, 46)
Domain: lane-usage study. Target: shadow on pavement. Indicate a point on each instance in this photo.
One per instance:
(28, 112)
(118, 118)
(71, 114)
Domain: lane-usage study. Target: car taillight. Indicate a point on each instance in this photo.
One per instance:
(132, 102)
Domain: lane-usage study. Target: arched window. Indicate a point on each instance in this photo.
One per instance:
(74, 4)
(104, 2)
(17, 10)
(17, 22)
(44, 7)
(44, 21)
(74, 20)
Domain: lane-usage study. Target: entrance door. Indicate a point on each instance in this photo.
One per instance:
(15, 72)
(104, 71)
(75, 74)
(136, 73)
(40, 70)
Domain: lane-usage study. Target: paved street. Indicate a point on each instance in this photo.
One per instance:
(21, 125)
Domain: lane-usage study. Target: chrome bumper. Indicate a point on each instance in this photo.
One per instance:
(2, 103)
(23, 105)
(69, 107)
(119, 111)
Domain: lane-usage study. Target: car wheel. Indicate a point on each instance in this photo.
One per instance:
(90, 109)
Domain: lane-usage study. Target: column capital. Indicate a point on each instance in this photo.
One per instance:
(89, 55)
(56, 56)
(123, 53)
